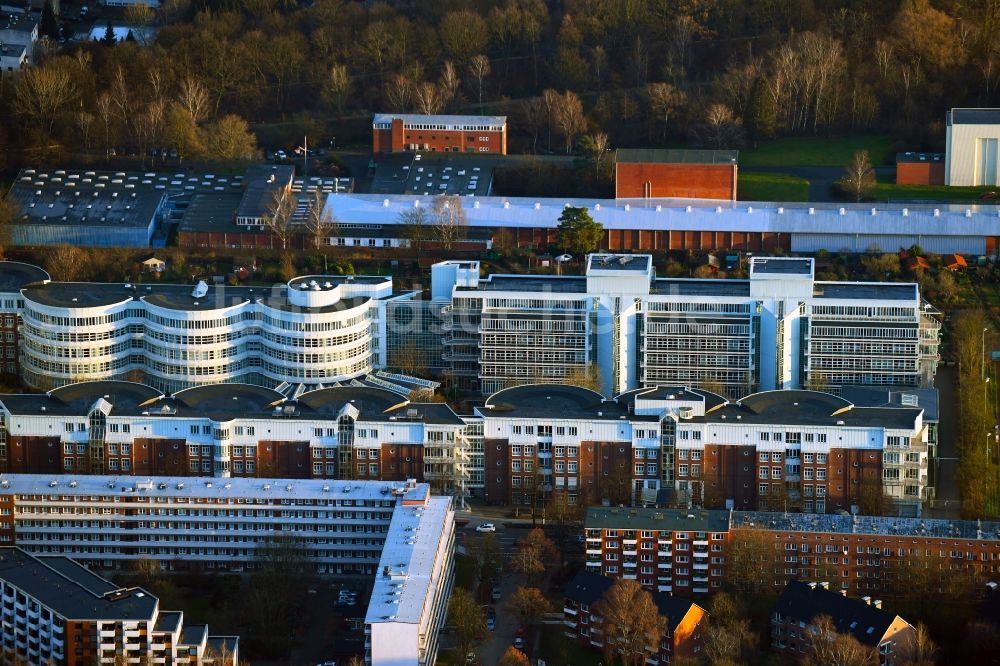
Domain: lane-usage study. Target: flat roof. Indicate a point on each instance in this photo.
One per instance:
(431, 173)
(918, 158)
(563, 284)
(832, 523)
(180, 297)
(439, 119)
(15, 275)
(675, 156)
(886, 291)
(211, 488)
(23, 22)
(894, 396)
(410, 557)
(77, 198)
(640, 263)
(700, 287)
(781, 266)
(794, 407)
(967, 116)
(681, 520)
(71, 590)
(211, 211)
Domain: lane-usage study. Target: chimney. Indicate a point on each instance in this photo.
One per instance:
(843, 593)
(825, 585)
(867, 600)
(812, 586)
(877, 603)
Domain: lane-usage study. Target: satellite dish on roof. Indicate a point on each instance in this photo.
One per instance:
(200, 289)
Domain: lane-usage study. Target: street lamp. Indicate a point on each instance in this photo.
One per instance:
(982, 356)
(563, 258)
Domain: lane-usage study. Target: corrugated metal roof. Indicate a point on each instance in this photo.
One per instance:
(439, 119)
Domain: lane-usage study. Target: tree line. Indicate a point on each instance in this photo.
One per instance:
(716, 73)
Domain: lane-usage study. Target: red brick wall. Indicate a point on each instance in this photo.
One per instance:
(920, 173)
(497, 466)
(400, 138)
(34, 455)
(402, 461)
(285, 460)
(689, 181)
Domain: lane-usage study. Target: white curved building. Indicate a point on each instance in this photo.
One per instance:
(313, 330)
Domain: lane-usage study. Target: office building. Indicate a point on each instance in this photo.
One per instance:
(622, 327)
(971, 147)
(313, 330)
(55, 611)
(644, 173)
(685, 620)
(681, 550)
(793, 623)
(397, 132)
(14, 276)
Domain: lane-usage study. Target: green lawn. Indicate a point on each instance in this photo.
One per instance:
(556, 648)
(772, 187)
(888, 190)
(814, 151)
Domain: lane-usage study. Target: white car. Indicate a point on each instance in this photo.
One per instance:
(487, 527)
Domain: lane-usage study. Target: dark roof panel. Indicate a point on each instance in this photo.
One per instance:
(589, 588)
(805, 601)
(675, 156)
(974, 117)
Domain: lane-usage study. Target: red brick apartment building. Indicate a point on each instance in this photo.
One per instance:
(398, 132)
(647, 173)
(685, 619)
(679, 551)
(886, 634)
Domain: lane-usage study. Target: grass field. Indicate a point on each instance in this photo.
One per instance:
(772, 187)
(887, 190)
(814, 151)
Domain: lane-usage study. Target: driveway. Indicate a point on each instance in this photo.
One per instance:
(946, 490)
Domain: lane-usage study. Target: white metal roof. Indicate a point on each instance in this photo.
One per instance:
(213, 488)
(688, 215)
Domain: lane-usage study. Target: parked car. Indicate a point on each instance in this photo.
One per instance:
(496, 594)
(519, 642)
(487, 527)
(491, 623)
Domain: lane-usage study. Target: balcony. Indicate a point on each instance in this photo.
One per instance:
(701, 579)
(698, 566)
(664, 553)
(570, 623)
(596, 565)
(664, 565)
(569, 611)
(664, 588)
(700, 590)
(629, 576)
(701, 542)
(632, 551)
(629, 565)
(593, 551)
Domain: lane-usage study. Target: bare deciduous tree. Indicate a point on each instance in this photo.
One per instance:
(336, 86)
(278, 215)
(44, 92)
(450, 221)
(194, 97)
(664, 99)
(416, 224)
(859, 179)
(448, 84)
(631, 623)
(399, 93)
(830, 648)
(429, 98)
(104, 108)
(319, 222)
(569, 118)
(750, 561)
(479, 69)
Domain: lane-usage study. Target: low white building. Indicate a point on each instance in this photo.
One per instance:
(972, 147)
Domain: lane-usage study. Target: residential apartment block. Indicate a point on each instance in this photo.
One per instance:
(397, 132)
(55, 611)
(362, 432)
(396, 532)
(685, 620)
(779, 329)
(680, 551)
(793, 628)
(788, 450)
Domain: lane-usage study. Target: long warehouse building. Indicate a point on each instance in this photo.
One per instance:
(676, 224)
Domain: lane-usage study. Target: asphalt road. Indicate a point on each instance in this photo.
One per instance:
(502, 637)
(946, 500)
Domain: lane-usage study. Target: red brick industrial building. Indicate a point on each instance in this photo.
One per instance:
(395, 133)
(688, 174)
(919, 168)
